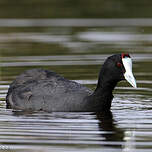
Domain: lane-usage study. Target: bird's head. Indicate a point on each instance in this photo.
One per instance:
(116, 68)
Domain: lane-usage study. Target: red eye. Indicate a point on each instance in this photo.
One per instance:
(119, 64)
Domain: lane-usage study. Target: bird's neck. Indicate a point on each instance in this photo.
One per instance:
(105, 90)
(102, 96)
(106, 87)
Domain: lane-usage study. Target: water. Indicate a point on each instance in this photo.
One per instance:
(76, 49)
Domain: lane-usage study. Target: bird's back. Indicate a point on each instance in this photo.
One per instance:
(39, 89)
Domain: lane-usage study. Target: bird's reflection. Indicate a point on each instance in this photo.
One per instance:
(109, 130)
(108, 127)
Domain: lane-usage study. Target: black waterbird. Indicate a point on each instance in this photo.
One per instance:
(39, 89)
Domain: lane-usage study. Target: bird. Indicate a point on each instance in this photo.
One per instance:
(44, 90)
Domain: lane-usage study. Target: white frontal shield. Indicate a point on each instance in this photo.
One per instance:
(127, 62)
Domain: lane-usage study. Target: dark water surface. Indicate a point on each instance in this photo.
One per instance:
(77, 52)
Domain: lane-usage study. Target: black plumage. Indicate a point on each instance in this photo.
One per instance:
(39, 89)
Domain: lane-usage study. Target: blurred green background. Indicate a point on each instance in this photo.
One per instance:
(75, 8)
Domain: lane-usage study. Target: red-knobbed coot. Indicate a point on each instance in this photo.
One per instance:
(39, 89)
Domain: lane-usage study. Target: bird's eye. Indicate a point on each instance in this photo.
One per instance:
(119, 64)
